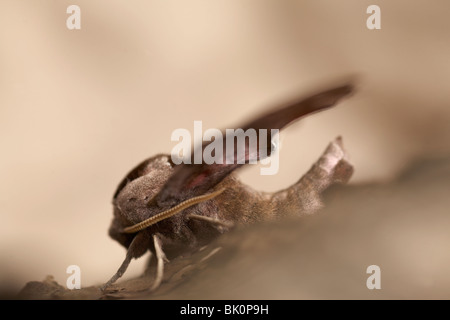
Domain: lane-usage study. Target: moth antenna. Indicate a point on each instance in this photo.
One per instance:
(161, 257)
(215, 222)
(171, 212)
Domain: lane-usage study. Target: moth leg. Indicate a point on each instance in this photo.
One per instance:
(160, 258)
(148, 264)
(210, 254)
(137, 248)
(213, 221)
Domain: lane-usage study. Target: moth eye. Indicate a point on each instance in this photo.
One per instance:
(131, 199)
(146, 197)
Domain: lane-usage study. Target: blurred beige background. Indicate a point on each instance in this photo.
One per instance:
(78, 109)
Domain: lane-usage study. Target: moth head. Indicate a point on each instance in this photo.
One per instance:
(134, 193)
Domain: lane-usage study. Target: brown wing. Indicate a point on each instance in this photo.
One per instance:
(191, 180)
